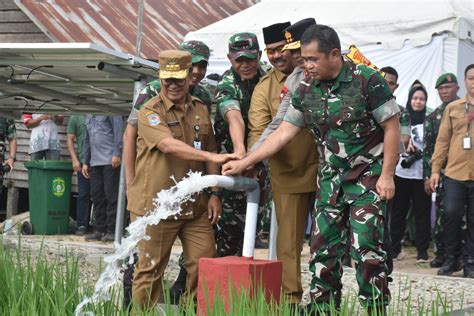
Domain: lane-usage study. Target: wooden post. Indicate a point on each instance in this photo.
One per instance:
(12, 201)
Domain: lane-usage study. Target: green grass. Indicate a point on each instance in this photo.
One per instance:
(29, 285)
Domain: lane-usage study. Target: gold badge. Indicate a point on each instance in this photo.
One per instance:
(172, 65)
(289, 37)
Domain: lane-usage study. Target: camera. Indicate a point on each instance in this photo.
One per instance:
(4, 168)
(411, 158)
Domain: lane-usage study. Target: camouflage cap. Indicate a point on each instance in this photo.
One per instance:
(174, 64)
(244, 45)
(293, 33)
(199, 50)
(446, 78)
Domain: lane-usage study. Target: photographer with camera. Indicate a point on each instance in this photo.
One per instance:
(409, 186)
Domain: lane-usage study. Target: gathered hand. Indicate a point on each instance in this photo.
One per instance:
(385, 187)
(214, 209)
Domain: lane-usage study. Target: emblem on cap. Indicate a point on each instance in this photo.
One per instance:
(172, 65)
(448, 77)
(289, 37)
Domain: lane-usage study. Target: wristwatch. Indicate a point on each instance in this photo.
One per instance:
(216, 193)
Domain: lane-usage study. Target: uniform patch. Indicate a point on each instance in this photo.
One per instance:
(153, 119)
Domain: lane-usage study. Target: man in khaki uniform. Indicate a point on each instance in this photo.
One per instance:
(454, 151)
(174, 136)
(292, 169)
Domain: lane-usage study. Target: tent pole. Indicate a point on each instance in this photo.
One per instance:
(137, 87)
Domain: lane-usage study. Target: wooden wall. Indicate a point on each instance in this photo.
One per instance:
(16, 27)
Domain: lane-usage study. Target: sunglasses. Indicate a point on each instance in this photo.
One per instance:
(179, 82)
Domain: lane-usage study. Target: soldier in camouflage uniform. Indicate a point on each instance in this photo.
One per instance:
(353, 117)
(391, 78)
(7, 133)
(447, 86)
(233, 97)
(200, 58)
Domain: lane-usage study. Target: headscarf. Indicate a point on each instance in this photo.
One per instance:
(416, 117)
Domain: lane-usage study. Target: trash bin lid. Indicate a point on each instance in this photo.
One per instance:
(49, 164)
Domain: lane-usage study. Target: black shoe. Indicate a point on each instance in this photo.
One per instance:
(81, 230)
(422, 257)
(108, 238)
(450, 266)
(95, 236)
(260, 244)
(178, 287)
(437, 262)
(469, 271)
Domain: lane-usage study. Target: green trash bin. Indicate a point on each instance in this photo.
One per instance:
(49, 184)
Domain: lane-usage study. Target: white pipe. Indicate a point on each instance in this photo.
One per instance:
(253, 198)
(272, 249)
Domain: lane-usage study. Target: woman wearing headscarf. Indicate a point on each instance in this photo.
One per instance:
(409, 188)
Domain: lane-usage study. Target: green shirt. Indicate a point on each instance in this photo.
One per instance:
(430, 133)
(77, 127)
(344, 116)
(404, 121)
(7, 129)
(233, 93)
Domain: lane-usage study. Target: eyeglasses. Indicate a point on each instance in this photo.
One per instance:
(273, 51)
(179, 82)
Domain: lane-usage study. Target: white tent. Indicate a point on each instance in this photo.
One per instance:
(421, 39)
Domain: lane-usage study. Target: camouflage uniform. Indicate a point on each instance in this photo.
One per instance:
(431, 128)
(7, 132)
(404, 121)
(233, 93)
(344, 119)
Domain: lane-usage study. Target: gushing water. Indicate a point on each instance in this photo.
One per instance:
(167, 204)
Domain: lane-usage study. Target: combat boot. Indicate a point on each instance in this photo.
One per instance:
(450, 266)
(469, 268)
(437, 262)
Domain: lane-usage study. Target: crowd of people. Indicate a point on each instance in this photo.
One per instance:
(336, 144)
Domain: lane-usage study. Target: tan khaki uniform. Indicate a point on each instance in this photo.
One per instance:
(449, 144)
(157, 120)
(293, 179)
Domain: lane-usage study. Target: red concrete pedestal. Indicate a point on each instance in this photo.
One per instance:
(223, 276)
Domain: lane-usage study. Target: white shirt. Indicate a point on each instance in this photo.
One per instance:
(416, 169)
(44, 136)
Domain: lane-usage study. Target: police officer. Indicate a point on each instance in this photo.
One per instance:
(7, 133)
(447, 86)
(174, 136)
(293, 168)
(353, 117)
(233, 95)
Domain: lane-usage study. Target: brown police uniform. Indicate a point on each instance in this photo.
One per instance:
(157, 120)
(293, 180)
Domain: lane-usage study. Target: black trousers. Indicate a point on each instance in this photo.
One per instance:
(458, 195)
(407, 190)
(104, 181)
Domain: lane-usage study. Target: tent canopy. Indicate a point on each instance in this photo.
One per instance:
(421, 39)
(68, 78)
(357, 22)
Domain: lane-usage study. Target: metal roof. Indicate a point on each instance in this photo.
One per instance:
(113, 23)
(67, 78)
